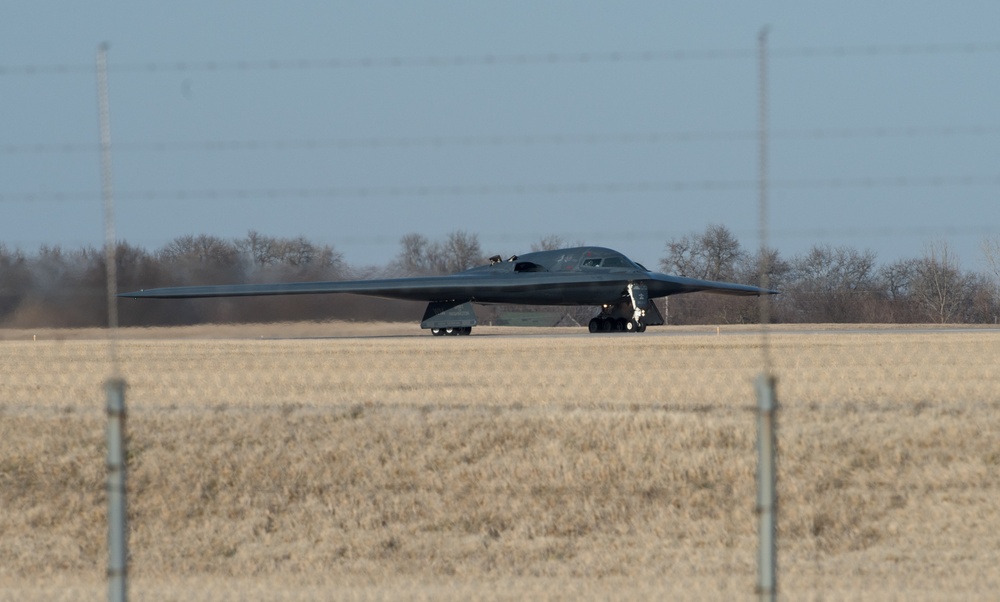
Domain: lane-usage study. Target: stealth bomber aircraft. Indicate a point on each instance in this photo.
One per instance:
(579, 276)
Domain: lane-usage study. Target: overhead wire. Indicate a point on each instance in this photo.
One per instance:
(488, 140)
(500, 60)
(523, 189)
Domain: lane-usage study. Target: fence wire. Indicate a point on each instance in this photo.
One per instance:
(345, 461)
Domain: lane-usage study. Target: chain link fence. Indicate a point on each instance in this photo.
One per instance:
(340, 461)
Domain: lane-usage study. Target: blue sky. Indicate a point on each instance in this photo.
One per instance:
(886, 149)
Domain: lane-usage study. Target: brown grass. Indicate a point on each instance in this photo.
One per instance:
(503, 467)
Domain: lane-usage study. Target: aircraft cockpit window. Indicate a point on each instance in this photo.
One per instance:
(584, 258)
(605, 262)
(527, 266)
(616, 262)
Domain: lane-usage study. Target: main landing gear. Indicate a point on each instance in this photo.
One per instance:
(610, 324)
(449, 318)
(459, 330)
(632, 313)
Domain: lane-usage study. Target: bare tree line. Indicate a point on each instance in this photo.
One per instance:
(835, 284)
(57, 287)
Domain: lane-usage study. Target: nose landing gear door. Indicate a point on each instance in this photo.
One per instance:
(639, 294)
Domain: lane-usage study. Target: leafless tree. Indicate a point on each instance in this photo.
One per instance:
(412, 259)
(60, 287)
(711, 255)
(832, 284)
(750, 266)
(417, 256)
(414, 245)
(895, 285)
(681, 258)
(299, 252)
(260, 249)
(991, 253)
(939, 285)
(716, 254)
(721, 250)
(202, 249)
(461, 251)
(749, 269)
(549, 243)
(289, 259)
(15, 279)
(980, 303)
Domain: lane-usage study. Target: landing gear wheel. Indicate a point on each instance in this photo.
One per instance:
(620, 325)
(606, 325)
(642, 327)
(595, 325)
(631, 326)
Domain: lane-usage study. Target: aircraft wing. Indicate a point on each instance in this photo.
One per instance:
(420, 289)
(673, 285)
(532, 288)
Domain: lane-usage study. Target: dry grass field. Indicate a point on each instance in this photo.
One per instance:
(295, 462)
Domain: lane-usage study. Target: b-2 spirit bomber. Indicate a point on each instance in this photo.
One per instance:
(593, 276)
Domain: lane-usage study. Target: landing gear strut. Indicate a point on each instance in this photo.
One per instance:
(632, 313)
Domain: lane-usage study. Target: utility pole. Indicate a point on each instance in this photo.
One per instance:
(767, 406)
(115, 386)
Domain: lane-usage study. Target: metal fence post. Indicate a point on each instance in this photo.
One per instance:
(117, 507)
(767, 503)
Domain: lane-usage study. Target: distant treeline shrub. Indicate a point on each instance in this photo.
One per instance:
(57, 287)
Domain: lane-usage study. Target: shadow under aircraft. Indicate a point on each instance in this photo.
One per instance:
(579, 276)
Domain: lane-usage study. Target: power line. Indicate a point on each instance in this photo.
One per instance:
(523, 239)
(487, 140)
(487, 60)
(510, 189)
(501, 60)
(873, 50)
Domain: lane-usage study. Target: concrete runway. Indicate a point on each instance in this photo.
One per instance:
(662, 331)
(339, 329)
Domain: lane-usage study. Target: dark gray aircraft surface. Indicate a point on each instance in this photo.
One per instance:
(577, 276)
